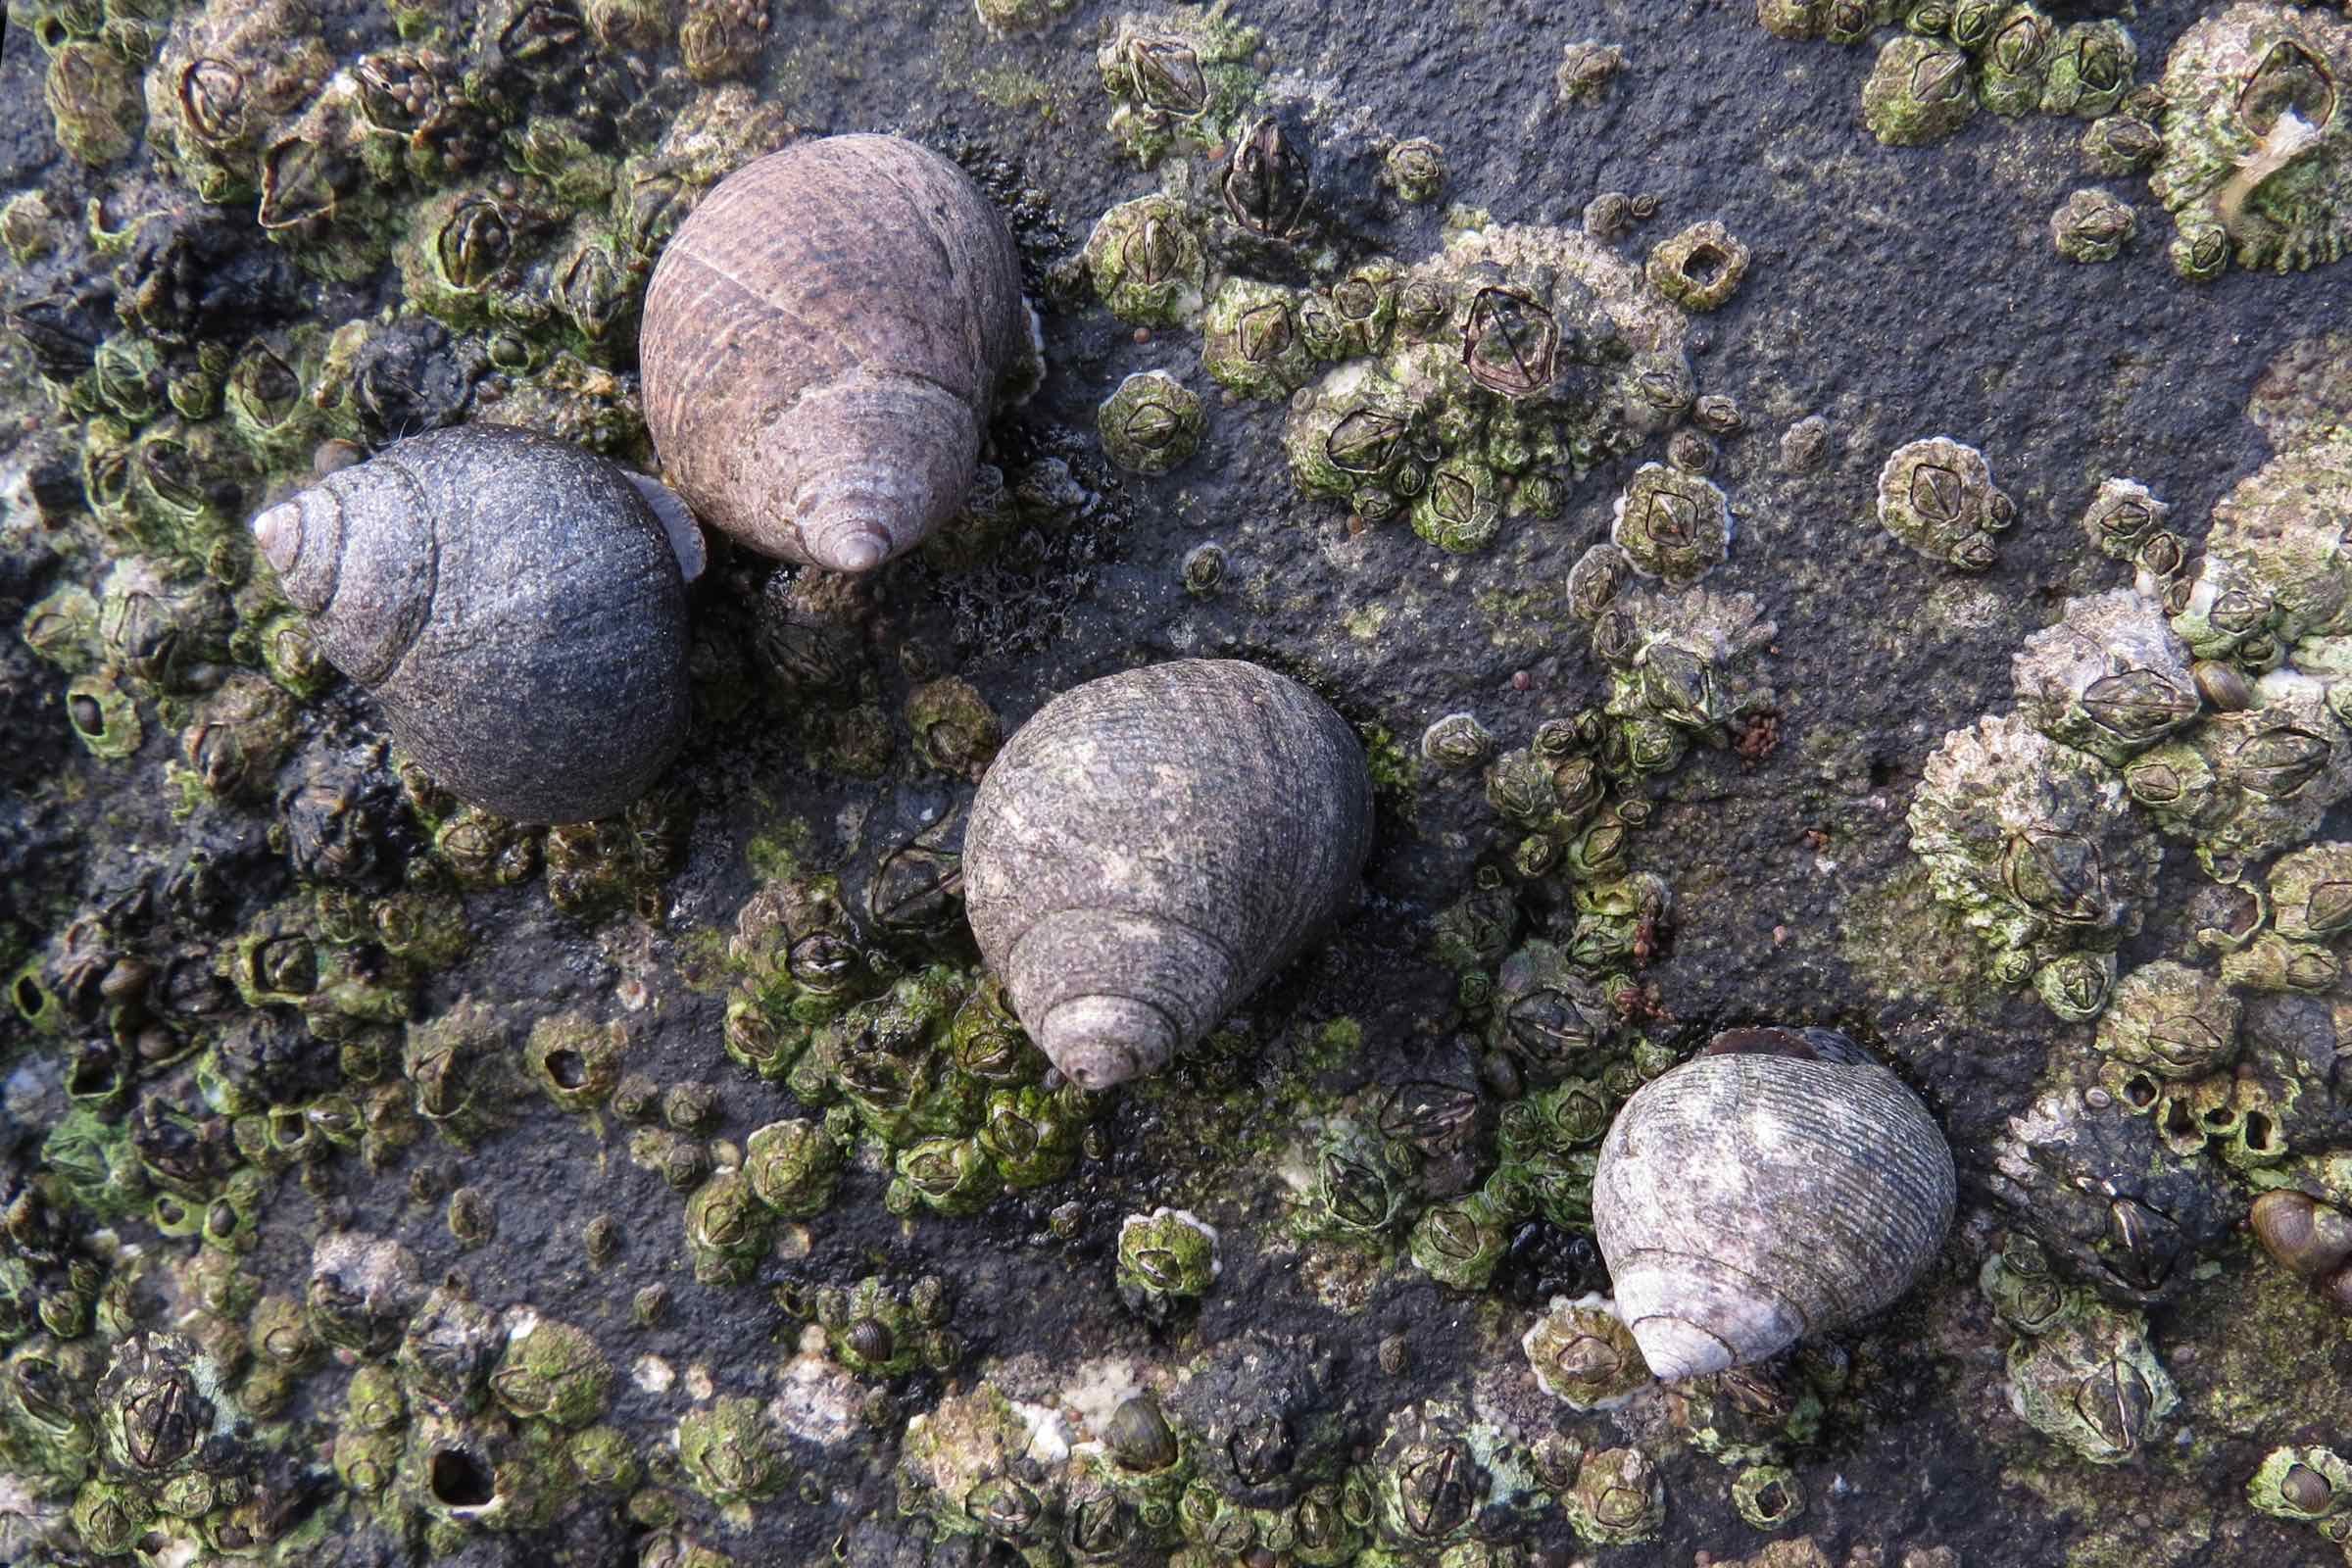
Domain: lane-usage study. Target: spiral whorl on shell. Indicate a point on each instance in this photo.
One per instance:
(1776, 1185)
(1152, 845)
(511, 603)
(824, 339)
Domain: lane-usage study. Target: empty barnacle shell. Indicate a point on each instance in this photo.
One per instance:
(513, 604)
(2109, 678)
(824, 340)
(1152, 845)
(1776, 1185)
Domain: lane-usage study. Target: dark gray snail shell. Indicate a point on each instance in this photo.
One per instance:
(1152, 845)
(1776, 1185)
(824, 340)
(514, 605)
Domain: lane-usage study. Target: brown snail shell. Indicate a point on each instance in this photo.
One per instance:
(824, 339)
(1152, 845)
(513, 604)
(1777, 1185)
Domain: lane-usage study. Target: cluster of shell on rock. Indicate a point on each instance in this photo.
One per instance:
(1456, 393)
(2202, 703)
(2244, 136)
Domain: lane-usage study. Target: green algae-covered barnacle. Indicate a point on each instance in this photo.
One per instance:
(465, 254)
(1251, 340)
(483, 850)
(2121, 144)
(726, 1230)
(1457, 741)
(1672, 525)
(1032, 1134)
(1586, 69)
(731, 1452)
(2093, 225)
(2311, 893)
(2272, 962)
(793, 1166)
(1167, 1260)
(1584, 1355)
(1428, 1486)
(2108, 678)
(228, 74)
(267, 406)
(2013, 64)
(2076, 986)
(2309, 1485)
(1415, 169)
(575, 1061)
(1918, 92)
(1548, 1015)
(461, 1071)
(1688, 662)
(1152, 423)
(1179, 80)
(1460, 1242)
(2092, 1382)
(2279, 531)
(2024, 1294)
(2243, 785)
(1767, 1497)
(94, 102)
(2089, 70)
(552, 1371)
(2122, 517)
(1938, 496)
(1461, 507)
(1618, 1499)
(165, 628)
(2257, 137)
(953, 1176)
(103, 717)
(1146, 261)
(63, 628)
(1698, 268)
(161, 1406)
(2172, 1020)
(448, 1348)
(2035, 844)
(1598, 576)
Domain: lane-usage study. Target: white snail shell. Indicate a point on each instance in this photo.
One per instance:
(1150, 846)
(1780, 1185)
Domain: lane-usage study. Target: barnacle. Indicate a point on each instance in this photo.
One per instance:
(1938, 496)
(2257, 140)
(2033, 842)
(2109, 678)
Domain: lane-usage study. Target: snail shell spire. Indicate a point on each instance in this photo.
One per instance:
(511, 604)
(824, 340)
(1749, 1198)
(1150, 846)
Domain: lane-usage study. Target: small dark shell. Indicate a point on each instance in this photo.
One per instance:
(513, 604)
(2224, 686)
(870, 1340)
(1140, 1436)
(1152, 845)
(2301, 1234)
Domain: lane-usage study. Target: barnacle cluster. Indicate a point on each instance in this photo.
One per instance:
(1454, 394)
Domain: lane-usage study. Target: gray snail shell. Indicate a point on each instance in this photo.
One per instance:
(1150, 846)
(514, 605)
(1777, 1184)
(824, 339)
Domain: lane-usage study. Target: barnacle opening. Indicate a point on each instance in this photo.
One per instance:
(461, 1480)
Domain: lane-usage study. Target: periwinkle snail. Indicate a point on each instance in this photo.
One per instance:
(517, 606)
(824, 339)
(1777, 1185)
(1150, 846)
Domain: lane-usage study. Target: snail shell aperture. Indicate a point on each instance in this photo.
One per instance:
(511, 602)
(824, 339)
(1777, 1184)
(1150, 846)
